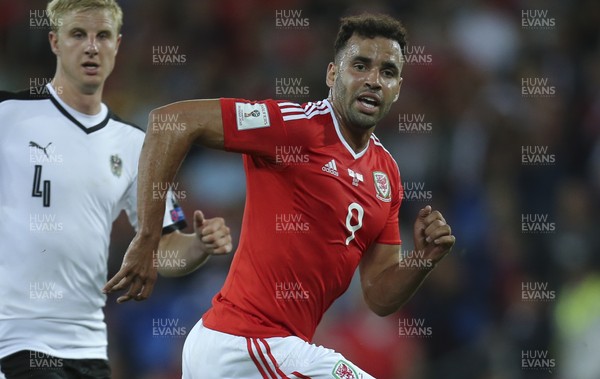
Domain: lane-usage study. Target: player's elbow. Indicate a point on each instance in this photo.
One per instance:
(166, 120)
(380, 309)
(170, 272)
(172, 269)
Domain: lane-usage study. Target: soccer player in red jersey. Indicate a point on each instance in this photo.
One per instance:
(323, 196)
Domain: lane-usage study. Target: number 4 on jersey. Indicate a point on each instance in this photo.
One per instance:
(45, 192)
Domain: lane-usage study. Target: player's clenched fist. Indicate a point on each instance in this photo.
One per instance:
(213, 233)
(432, 234)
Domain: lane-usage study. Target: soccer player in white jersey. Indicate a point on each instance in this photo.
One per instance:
(343, 195)
(68, 167)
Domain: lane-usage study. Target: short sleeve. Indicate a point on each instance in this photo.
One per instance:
(173, 219)
(254, 128)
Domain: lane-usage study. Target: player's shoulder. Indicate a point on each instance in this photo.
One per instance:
(291, 111)
(25, 94)
(128, 136)
(382, 152)
(129, 126)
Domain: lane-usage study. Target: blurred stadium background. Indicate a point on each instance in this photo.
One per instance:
(496, 87)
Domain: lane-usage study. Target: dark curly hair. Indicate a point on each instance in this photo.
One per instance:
(370, 26)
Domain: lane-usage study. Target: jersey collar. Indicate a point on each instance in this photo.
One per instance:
(61, 108)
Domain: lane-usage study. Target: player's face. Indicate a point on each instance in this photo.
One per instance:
(86, 45)
(365, 80)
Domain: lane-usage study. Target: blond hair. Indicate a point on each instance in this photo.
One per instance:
(57, 9)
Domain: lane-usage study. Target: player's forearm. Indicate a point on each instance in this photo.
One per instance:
(163, 151)
(393, 287)
(180, 254)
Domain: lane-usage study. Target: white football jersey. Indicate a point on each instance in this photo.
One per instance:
(64, 178)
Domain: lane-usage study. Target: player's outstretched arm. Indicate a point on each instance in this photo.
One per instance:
(163, 151)
(388, 283)
(180, 253)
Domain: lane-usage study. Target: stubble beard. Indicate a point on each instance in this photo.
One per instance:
(352, 117)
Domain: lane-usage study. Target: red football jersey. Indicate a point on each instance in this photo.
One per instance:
(313, 207)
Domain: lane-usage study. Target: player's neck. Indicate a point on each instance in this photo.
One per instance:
(356, 138)
(86, 103)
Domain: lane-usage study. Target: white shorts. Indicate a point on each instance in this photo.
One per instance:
(208, 354)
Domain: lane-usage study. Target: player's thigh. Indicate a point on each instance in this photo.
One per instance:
(295, 358)
(27, 364)
(87, 368)
(209, 354)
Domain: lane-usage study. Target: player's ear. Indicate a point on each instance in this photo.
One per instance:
(118, 43)
(53, 39)
(398, 92)
(331, 73)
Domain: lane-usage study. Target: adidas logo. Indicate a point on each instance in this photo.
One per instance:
(331, 168)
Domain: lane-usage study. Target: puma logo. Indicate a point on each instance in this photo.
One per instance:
(33, 144)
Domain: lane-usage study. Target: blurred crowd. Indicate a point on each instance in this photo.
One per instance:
(491, 85)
